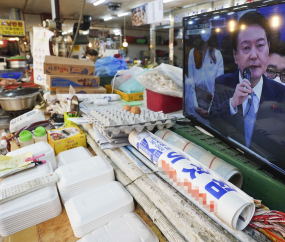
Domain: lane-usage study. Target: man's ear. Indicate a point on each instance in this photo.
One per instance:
(235, 57)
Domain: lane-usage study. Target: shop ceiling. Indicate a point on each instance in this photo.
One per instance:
(70, 9)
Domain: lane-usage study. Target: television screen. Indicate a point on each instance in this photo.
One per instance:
(234, 77)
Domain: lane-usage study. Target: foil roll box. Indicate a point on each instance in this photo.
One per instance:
(117, 122)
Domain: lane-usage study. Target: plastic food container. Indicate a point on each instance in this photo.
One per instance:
(26, 138)
(40, 134)
(159, 102)
(71, 156)
(129, 228)
(38, 149)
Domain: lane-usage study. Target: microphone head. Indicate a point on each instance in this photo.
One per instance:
(247, 74)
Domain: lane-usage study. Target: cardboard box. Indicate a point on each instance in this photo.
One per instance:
(66, 138)
(54, 65)
(81, 90)
(75, 81)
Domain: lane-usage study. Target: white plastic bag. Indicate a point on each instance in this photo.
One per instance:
(119, 80)
(164, 79)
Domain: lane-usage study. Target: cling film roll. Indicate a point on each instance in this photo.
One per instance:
(222, 168)
(211, 193)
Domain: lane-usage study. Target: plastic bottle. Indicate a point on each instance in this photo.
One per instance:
(40, 134)
(26, 138)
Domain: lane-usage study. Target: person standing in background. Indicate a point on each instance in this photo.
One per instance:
(276, 63)
(92, 55)
(205, 64)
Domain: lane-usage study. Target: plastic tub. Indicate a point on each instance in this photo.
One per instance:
(12, 75)
(40, 134)
(159, 102)
(26, 138)
(141, 41)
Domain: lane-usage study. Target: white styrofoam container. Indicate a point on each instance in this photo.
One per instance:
(73, 155)
(28, 210)
(38, 149)
(27, 175)
(90, 207)
(81, 171)
(128, 228)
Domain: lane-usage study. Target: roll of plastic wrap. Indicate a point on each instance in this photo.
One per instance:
(90, 97)
(214, 195)
(222, 168)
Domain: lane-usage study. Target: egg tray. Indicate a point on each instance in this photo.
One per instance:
(114, 122)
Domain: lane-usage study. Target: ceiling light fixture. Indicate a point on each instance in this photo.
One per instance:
(1, 42)
(90, 45)
(98, 2)
(64, 32)
(123, 14)
(107, 19)
(167, 1)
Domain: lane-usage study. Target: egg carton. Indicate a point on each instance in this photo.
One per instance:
(114, 122)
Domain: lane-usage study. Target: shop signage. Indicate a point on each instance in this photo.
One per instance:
(148, 13)
(95, 33)
(12, 27)
(40, 50)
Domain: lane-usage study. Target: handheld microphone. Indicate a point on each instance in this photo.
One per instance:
(247, 75)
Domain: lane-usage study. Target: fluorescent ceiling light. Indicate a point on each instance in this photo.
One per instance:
(167, 1)
(86, 32)
(106, 19)
(216, 17)
(116, 30)
(123, 14)
(70, 31)
(98, 2)
(64, 32)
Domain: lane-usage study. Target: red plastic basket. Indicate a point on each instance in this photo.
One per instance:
(159, 102)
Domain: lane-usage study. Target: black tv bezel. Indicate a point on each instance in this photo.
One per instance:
(254, 5)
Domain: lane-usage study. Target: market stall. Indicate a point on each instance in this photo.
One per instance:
(101, 150)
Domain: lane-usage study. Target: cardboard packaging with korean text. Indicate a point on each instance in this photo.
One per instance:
(75, 81)
(54, 65)
(66, 138)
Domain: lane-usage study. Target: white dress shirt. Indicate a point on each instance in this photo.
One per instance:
(206, 75)
(257, 90)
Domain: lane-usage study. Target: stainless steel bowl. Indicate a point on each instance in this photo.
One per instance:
(19, 99)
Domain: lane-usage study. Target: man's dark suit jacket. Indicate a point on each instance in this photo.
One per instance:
(268, 139)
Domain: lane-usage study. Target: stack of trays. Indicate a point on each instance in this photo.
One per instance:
(116, 121)
(38, 149)
(128, 228)
(82, 176)
(97, 207)
(73, 155)
(32, 208)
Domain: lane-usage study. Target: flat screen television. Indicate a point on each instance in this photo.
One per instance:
(234, 78)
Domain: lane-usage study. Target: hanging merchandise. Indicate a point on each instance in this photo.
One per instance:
(218, 198)
(223, 169)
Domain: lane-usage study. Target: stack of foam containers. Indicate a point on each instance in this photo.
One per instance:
(128, 228)
(82, 176)
(70, 156)
(38, 149)
(99, 206)
(32, 208)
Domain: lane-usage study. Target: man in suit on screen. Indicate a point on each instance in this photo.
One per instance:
(251, 112)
